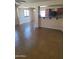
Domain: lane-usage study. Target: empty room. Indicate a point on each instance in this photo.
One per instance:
(39, 29)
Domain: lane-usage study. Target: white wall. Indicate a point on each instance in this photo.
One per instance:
(22, 18)
(52, 23)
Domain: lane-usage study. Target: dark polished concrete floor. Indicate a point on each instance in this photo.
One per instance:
(39, 43)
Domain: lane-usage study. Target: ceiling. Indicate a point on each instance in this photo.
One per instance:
(30, 1)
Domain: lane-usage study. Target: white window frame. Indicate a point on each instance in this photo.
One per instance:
(26, 12)
(42, 13)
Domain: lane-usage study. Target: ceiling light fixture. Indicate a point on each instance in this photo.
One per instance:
(42, 6)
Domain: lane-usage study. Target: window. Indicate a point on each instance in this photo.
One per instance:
(42, 13)
(26, 12)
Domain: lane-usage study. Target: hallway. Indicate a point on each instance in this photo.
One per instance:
(39, 43)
